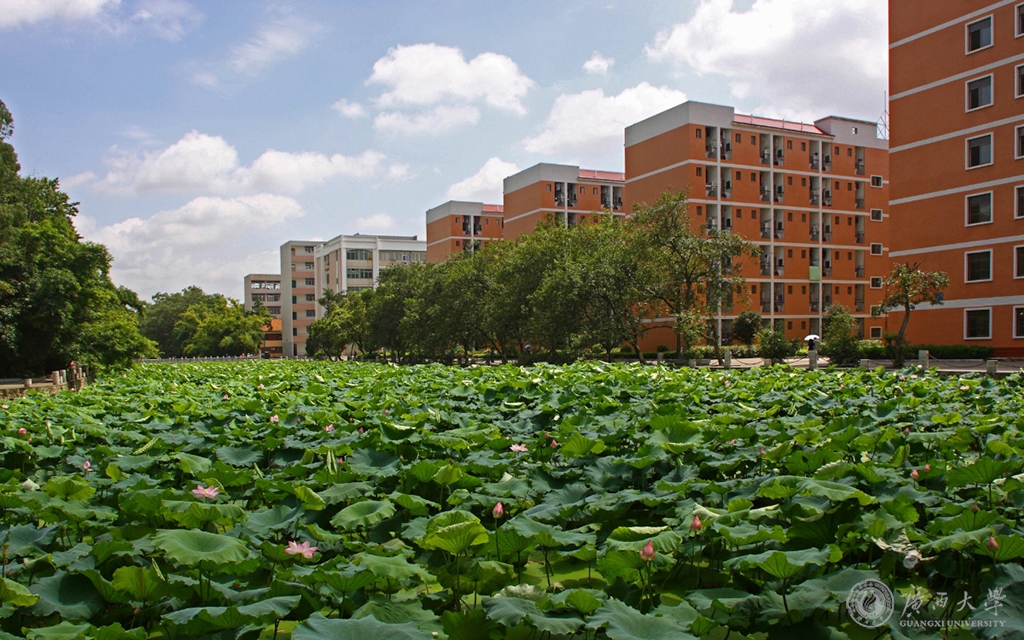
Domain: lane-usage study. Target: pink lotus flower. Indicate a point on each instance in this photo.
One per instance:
(993, 544)
(87, 465)
(306, 551)
(647, 553)
(3, 406)
(732, 442)
(387, 411)
(914, 474)
(360, 431)
(695, 525)
(974, 508)
(202, 492)
(965, 388)
(22, 431)
(225, 397)
(519, 448)
(274, 418)
(260, 387)
(554, 443)
(762, 452)
(728, 383)
(927, 468)
(329, 428)
(498, 511)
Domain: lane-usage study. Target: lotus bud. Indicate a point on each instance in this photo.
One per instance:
(360, 430)
(22, 431)
(329, 428)
(554, 444)
(927, 468)
(914, 474)
(499, 510)
(647, 553)
(993, 544)
(695, 525)
(762, 452)
(974, 508)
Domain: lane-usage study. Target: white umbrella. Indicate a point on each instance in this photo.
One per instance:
(813, 336)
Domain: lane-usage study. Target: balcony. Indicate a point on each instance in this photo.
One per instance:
(859, 167)
(766, 156)
(780, 271)
(814, 162)
(859, 271)
(815, 306)
(712, 150)
(859, 306)
(827, 164)
(860, 237)
(779, 158)
(827, 236)
(780, 307)
(780, 194)
(815, 232)
(572, 200)
(780, 234)
(618, 204)
(766, 232)
(815, 198)
(860, 203)
(559, 199)
(766, 195)
(827, 199)
(766, 307)
(726, 150)
(826, 304)
(727, 190)
(766, 269)
(826, 271)
(711, 189)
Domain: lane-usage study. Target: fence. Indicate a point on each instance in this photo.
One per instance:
(251, 356)
(74, 378)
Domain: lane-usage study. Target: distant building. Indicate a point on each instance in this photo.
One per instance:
(461, 226)
(298, 294)
(272, 343)
(956, 82)
(265, 287)
(814, 198)
(564, 193)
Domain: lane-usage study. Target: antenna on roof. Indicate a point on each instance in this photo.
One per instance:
(883, 122)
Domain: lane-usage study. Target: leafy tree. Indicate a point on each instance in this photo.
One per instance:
(907, 286)
(221, 329)
(387, 307)
(839, 343)
(695, 272)
(57, 303)
(163, 314)
(746, 325)
(774, 346)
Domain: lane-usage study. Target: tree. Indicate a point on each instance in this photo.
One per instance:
(907, 286)
(746, 325)
(774, 346)
(694, 267)
(839, 343)
(345, 324)
(221, 329)
(163, 314)
(57, 302)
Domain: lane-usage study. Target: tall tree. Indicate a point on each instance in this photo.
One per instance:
(221, 329)
(906, 287)
(163, 314)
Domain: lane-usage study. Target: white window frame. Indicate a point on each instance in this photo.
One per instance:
(967, 208)
(1016, 21)
(872, 217)
(967, 151)
(1018, 81)
(1018, 145)
(881, 182)
(967, 34)
(1016, 262)
(871, 333)
(967, 93)
(989, 309)
(872, 282)
(1013, 321)
(1017, 211)
(881, 249)
(991, 267)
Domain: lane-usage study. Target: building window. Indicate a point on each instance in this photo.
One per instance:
(789, 144)
(1020, 81)
(979, 208)
(1019, 213)
(876, 181)
(978, 266)
(309, 249)
(876, 249)
(739, 138)
(364, 274)
(293, 299)
(977, 324)
(1018, 262)
(310, 282)
(876, 333)
(310, 297)
(364, 254)
(700, 132)
(309, 266)
(803, 146)
(979, 35)
(790, 180)
(876, 282)
(549, 186)
(753, 139)
(979, 93)
(1018, 322)
(700, 172)
(876, 215)
(1020, 142)
(1020, 20)
(979, 151)
(295, 315)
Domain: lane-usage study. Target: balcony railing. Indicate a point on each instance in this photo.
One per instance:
(815, 199)
(860, 237)
(860, 203)
(766, 269)
(780, 234)
(712, 150)
(859, 305)
(766, 156)
(779, 195)
(779, 158)
(766, 195)
(827, 163)
(814, 162)
(780, 307)
(859, 271)
(814, 306)
(815, 233)
(711, 190)
(826, 271)
(859, 167)
(766, 307)
(766, 232)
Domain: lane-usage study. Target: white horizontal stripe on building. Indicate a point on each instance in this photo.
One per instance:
(530, 213)
(958, 134)
(960, 76)
(958, 246)
(955, 21)
(950, 192)
(969, 303)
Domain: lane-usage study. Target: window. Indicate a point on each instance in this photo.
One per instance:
(739, 138)
(803, 182)
(849, 152)
(979, 151)
(309, 249)
(978, 266)
(977, 324)
(700, 210)
(295, 331)
(876, 333)
(1019, 213)
(310, 297)
(790, 180)
(595, 191)
(293, 299)
(979, 93)
(309, 266)
(700, 171)
(876, 182)
(789, 144)
(295, 315)
(310, 282)
(979, 35)
(1020, 142)
(876, 282)
(364, 254)
(876, 215)
(1020, 81)
(293, 284)
(753, 139)
(1018, 262)
(803, 146)
(849, 186)
(1018, 322)
(700, 133)
(753, 177)
(549, 186)
(1020, 20)
(979, 208)
(365, 274)
(876, 249)
(310, 313)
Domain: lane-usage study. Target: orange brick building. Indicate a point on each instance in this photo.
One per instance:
(956, 80)
(565, 192)
(813, 197)
(461, 226)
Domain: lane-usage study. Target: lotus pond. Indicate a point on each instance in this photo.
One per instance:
(315, 500)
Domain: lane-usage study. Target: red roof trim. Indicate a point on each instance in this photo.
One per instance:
(758, 121)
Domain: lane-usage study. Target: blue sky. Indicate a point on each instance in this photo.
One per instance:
(199, 136)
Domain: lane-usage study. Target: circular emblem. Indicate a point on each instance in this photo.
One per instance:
(870, 603)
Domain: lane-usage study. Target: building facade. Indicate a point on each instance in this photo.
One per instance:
(298, 294)
(565, 193)
(265, 287)
(813, 197)
(956, 81)
(461, 226)
(353, 263)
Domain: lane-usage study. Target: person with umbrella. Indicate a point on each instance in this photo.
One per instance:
(812, 341)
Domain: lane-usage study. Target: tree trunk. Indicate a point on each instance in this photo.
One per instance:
(897, 358)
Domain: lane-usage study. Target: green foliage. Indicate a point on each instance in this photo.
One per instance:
(773, 345)
(802, 481)
(57, 303)
(906, 287)
(839, 343)
(219, 327)
(165, 312)
(746, 325)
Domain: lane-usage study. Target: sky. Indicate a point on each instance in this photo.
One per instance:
(200, 136)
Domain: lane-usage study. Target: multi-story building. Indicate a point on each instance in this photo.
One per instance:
(265, 287)
(956, 81)
(298, 294)
(563, 192)
(271, 343)
(461, 226)
(352, 263)
(813, 197)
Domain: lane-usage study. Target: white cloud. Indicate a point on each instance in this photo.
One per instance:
(426, 74)
(282, 38)
(486, 184)
(23, 12)
(440, 119)
(786, 57)
(139, 134)
(77, 180)
(591, 121)
(168, 19)
(375, 222)
(207, 242)
(349, 109)
(200, 162)
(398, 172)
(598, 64)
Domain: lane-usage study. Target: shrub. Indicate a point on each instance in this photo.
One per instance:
(746, 325)
(774, 346)
(839, 343)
